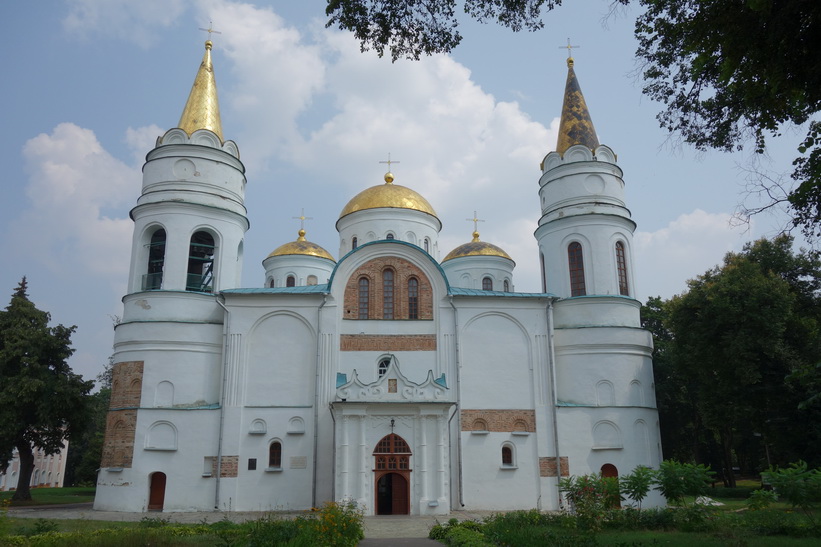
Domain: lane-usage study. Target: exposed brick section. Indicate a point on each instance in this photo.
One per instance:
(118, 444)
(376, 342)
(126, 384)
(373, 269)
(547, 467)
(229, 466)
(502, 421)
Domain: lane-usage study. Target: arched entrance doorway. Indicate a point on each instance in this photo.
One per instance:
(609, 470)
(392, 476)
(156, 492)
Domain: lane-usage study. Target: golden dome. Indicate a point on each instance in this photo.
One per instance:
(387, 195)
(477, 248)
(302, 247)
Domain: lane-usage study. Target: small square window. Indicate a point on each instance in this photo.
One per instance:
(252, 464)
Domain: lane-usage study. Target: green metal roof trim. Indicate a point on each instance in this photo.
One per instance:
(458, 291)
(308, 289)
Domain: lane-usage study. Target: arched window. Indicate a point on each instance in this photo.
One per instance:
(271, 282)
(487, 284)
(364, 296)
(413, 298)
(621, 265)
(507, 456)
(290, 281)
(574, 256)
(383, 367)
(427, 245)
(393, 453)
(387, 294)
(389, 236)
(152, 280)
(354, 243)
(200, 263)
(275, 455)
(507, 285)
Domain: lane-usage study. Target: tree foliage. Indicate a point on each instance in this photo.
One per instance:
(729, 73)
(42, 402)
(739, 371)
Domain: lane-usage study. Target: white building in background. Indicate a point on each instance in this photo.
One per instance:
(49, 470)
(386, 376)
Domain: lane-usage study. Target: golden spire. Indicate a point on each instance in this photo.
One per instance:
(202, 111)
(576, 126)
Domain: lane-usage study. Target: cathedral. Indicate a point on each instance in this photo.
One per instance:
(405, 382)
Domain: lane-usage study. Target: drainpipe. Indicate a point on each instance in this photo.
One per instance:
(551, 357)
(225, 339)
(458, 402)
(316, 392)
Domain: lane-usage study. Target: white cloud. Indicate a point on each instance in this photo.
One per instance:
(133, 21)
(688, 246)
(72, 182)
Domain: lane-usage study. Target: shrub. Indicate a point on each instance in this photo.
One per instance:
(676, 480)
(797, 485)
(761, 499)
(636, 485)
(588, 497)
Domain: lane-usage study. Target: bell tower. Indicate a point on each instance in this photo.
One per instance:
(190, 221)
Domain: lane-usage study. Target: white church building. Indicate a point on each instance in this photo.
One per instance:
(409, 383)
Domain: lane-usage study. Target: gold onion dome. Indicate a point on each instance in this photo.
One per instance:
(302, 247)
(202, 111)
(388, 195)
(576, 126)
(477, 248)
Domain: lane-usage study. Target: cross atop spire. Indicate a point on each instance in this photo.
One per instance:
(568, 47)
(210, 30)
(389, 162)
(302, 218)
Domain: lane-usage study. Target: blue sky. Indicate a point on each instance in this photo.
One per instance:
(88, 85)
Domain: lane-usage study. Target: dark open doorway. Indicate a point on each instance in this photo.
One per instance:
(392, 495)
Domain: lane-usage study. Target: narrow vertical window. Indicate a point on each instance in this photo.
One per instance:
(152, 280)
(427, 245)
(621, 265)
(544, 275)
(387, 294)
(290, 281)
(507, 456)
(507, 285)
(354, 243)
(383, 367)
(574, 256)
(487, 284)
(413, 298)
(275, 455)
(364, 297)
(200, 263)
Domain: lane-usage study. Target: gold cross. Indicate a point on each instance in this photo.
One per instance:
(389, 162)
(210, 29)
(475, 220)
(569, 47)
(302, 218)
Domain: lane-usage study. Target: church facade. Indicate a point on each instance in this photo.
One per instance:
(409, 384)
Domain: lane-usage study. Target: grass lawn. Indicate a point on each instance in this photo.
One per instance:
(53, 496)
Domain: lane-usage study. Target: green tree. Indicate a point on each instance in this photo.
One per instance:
(739, 333)
(721, 88)
(42, 402)
(86, 452)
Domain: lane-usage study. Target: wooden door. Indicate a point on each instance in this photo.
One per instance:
(399, 494)
(156, 494)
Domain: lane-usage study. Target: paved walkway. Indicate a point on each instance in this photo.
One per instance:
(399, 530)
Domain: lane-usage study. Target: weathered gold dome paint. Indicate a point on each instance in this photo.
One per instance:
(388, 195)
(302, 247)
(202, 111)
(576, 126)
(477, 248)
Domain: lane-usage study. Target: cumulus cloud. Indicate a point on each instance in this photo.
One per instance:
(137, 22)
(687, 247)
(73, 182)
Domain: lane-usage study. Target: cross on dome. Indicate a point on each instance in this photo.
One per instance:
(210, 30)
(389, 176)
(302, 218)
(475, 220)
